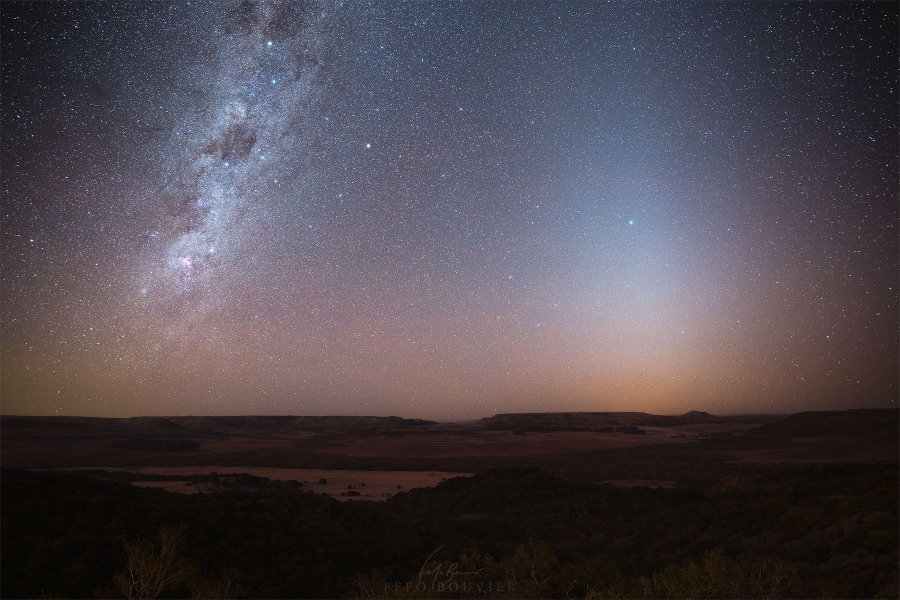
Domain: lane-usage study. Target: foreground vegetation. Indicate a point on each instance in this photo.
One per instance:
(773, 531)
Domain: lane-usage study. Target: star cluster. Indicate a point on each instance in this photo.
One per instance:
(448, 210)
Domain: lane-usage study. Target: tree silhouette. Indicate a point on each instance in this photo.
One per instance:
(152, 568)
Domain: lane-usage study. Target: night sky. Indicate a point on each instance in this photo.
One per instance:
(448, 210)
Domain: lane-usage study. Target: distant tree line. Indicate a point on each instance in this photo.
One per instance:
(157, 445)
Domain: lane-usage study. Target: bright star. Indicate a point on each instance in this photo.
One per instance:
(631, 222)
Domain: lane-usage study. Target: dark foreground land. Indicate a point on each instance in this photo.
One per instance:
(588, 505)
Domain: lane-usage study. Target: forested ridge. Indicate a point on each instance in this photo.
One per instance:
(823, 530)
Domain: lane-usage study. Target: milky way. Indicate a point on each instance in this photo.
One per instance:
(448, 210)
(251, 121)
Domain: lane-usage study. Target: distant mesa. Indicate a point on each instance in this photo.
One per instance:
(873, 423)
(41, 442)
(598, 422)
(285, 424)
(155, 424)
(203, 427)
(182, 433)
(696, 416)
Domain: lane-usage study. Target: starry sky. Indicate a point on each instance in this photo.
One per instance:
(448, 210)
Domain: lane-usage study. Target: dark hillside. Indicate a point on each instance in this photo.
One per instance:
(881, 423)
(835, 528)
